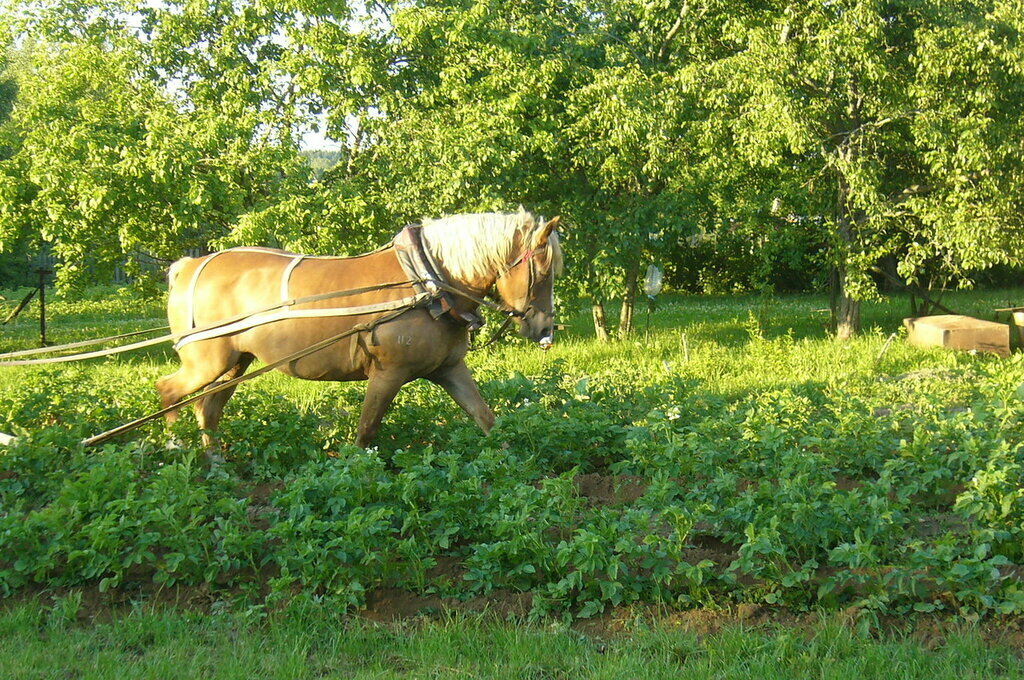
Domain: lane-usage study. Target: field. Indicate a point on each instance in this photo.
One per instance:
(730, 459)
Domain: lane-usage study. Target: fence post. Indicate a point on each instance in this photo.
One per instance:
(42, 306)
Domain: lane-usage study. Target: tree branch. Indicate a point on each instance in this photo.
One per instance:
(666, 44)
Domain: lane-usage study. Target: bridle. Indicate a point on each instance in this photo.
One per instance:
(528, 256)
(511, 313)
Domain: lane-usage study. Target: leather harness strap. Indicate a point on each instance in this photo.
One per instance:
(287, 275)
(191, 296)
(418, 264)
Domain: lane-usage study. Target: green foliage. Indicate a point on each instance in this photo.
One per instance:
(967, 79)
(723, 262)
(764, 467)
(106, 161)
(794, 139)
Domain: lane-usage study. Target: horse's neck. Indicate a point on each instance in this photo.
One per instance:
(477, 288)
(476, 285)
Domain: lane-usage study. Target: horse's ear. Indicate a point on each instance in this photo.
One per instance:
(541, 239)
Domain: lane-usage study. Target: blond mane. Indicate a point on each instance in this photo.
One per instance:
(474, 246)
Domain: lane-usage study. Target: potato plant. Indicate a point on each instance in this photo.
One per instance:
(768, 466)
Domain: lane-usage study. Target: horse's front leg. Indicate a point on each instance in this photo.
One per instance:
(381, 388)
(459, 383)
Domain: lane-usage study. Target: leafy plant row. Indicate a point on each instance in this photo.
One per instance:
(891, 493)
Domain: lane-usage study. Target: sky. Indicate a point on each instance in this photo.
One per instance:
(317, 141)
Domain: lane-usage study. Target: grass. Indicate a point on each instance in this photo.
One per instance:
(40, 642)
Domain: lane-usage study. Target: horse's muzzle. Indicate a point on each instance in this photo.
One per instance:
(539, 327)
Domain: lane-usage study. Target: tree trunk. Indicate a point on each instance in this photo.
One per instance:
(891, 282)
(629, 299)
(600, 322)
(846, 313)
(354, 149)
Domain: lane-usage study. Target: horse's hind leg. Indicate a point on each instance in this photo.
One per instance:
(198, 369)
(209, 409)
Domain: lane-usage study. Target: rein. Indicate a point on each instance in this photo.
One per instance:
(507, 310)
(171, 336)
(494, 336)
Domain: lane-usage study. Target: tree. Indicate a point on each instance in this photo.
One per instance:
(109, 161)
(628, 125)
(966, 211)
(15, 253)
(815, 102)
(860, 115)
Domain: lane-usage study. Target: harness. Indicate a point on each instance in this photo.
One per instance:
(285, 309)
(430, 291)
(429, 287)
(419, 265)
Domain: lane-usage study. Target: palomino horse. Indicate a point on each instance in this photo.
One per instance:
(516, 254)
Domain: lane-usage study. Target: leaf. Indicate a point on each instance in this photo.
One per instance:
(590, 608)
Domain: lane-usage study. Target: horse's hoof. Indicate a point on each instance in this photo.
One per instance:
(215, 466)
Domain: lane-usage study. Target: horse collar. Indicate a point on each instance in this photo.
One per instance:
(420, 267)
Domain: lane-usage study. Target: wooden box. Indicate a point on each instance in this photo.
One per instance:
(1018, 321)
(959, 332)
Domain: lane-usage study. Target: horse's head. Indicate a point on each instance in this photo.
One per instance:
(527, 283)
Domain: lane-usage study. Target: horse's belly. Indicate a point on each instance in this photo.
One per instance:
(415, 346)
(275, 341)
(332, 363)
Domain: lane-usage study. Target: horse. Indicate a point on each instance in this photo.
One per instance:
(515, 256)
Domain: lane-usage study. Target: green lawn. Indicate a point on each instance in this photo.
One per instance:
(39, 642)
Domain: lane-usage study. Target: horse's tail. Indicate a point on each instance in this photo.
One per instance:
(175, 269)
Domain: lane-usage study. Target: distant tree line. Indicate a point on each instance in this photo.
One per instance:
(769, 144)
